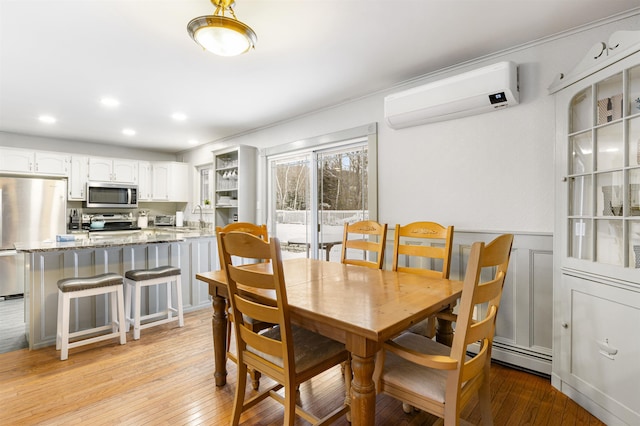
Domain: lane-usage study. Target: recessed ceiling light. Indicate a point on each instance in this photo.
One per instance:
(128, 132)
(47, 119)
(178, 116)
(110, 102)
(193, 142)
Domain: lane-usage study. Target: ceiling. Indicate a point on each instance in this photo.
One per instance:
(60, 57)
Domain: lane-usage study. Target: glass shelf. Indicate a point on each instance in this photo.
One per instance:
(603, 216)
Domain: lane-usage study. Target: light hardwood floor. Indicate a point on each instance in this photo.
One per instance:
(166, 378)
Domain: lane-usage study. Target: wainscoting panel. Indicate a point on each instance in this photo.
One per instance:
(524, 323)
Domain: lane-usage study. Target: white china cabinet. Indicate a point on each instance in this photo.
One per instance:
(597, 239)
(235, 185)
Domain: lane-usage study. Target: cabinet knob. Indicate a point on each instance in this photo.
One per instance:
(565, 325)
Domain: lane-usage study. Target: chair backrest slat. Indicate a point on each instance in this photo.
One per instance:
(405, 243)
(371, 238)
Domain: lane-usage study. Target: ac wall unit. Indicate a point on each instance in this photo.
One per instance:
(474, 92)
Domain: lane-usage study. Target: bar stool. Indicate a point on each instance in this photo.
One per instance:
(73, 288)
(135, 279)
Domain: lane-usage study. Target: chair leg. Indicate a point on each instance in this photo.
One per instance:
(290, 395)
(241, 387)
(484, 396)
(255, 378)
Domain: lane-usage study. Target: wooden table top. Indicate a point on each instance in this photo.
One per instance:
(374, 304)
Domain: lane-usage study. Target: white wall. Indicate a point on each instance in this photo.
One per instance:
(489, 172)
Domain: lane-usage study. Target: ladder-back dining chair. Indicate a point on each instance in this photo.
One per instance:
(439, 379)
(420, 243)
(367, 236)
(261, 232)
(288, 354)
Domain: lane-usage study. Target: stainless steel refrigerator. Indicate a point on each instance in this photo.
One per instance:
(31, 209)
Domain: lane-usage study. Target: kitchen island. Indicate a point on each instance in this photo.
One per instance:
(45, 262)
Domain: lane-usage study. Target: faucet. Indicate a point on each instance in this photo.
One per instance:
(202, 222)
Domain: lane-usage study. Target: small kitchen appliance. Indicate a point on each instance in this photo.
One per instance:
(165, 220)
(143, 219)
(111, 195)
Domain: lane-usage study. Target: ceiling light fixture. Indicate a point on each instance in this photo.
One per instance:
(128, 132)
(178, 116)
(110, 102)
(47, 119)
(224, 36)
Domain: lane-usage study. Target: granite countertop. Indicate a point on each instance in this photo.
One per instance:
(96, 239)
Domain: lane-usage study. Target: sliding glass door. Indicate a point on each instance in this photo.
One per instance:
(313, 192)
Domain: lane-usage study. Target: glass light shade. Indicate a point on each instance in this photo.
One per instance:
(221, 35)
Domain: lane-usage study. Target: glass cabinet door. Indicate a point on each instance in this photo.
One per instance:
(604, 171)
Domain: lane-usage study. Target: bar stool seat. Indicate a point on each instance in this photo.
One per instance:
(73, 288)
(134, 280)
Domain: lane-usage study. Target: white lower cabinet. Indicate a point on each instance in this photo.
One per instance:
(601, 347)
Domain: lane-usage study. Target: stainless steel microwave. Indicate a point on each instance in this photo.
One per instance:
(111, 195)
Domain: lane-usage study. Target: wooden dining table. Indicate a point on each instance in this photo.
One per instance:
(358, 306)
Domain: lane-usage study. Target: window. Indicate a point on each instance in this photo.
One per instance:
(205, 174)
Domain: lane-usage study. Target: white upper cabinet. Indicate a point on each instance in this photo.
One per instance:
(78, 173)
(113, 170)
(157, 180)
(15, 160)
(169, 181)
(51, 163)
(145, 190)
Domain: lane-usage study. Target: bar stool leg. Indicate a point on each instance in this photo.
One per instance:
(59, 322)
(113, 311)
(169, 304)
(179, 300)
(127, 305)
(122, 320)
(64, 346)
(136, 311)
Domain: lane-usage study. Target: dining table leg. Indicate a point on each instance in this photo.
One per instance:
(363, 391)
(444, 329)
(219, 323)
